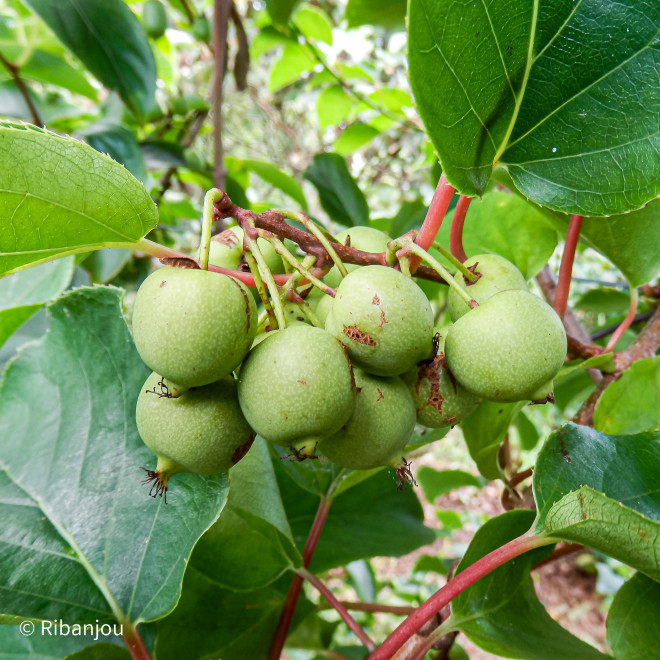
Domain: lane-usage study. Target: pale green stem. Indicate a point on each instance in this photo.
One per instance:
(212, 196)
(281, 249)
(467, 273)
(441, 270)
(319, 234)
(404, 264)
(261, 289)
(266, 277)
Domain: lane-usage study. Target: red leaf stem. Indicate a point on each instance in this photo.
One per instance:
(456, 229)
(342, 611)
(286, 616)
(453, 588)
(626, 323)
(434, 217)
(134, 643)
(566, 267)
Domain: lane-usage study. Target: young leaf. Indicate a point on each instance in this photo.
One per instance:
(588, 517)
(108, 39)
(501, 612)
(60, 196)
(631, 404)
(632, 622)
(340, 196)
(513, 102)
(22, 294)
(73, 507)
(354, 137)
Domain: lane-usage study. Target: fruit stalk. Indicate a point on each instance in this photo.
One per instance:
(465, 271)
(342, 611)
(456, 586)
(456, 228)
(210, 198)
(566, 267)
(434, 217)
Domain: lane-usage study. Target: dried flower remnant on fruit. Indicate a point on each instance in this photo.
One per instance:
(158, 483)
(404, 474)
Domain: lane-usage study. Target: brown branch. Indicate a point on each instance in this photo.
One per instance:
(645, 345)
(560, 551)
(220, 25)
(273, 222)
(359, 606)
(18, 81)
(578, 349)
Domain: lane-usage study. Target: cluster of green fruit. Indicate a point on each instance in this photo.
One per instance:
(353, 389)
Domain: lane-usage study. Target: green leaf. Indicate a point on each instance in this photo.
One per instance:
(532, 90)
(332, 106)
(314, 24)
(109, 40)
(83, 199)
(81, 540)
(120, 144)
(251, 544)
(280, 10)
(389, 14)
(631, 404)
(590, 518)
(277, 178)
(210, 622)
(371, 519)
(103, 651)
(507, 225)
(435, 483)
(22, 294)
(603, 300)
(339, 194)
(44, 67)
(632, 621)
(484, 429)
(624, 468)
(288, 68)
(354, 137)
(604, 362)
(104, 265)
(501, 612)
(43, 646)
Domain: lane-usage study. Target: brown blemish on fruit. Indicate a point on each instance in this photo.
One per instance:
(162, 284)
(239, 452)
(380, 394)
(376, 301)
(302, 382)
(246, 300)
(430, 370)
(354, 333)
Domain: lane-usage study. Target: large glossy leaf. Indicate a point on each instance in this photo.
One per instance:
(484, 429)
(623, 467)
(501, 612)
(632, 621)
(22, 294)
(59, 196)
(280, 10)
(505, 224)
(211, 622)
(631, 404)
(110, 42)
(81, 540)
(251, 544)
(370, 519)
(340, 196)
(533, 88)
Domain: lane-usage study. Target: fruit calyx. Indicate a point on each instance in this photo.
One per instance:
(159, 477)
(403, 473)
